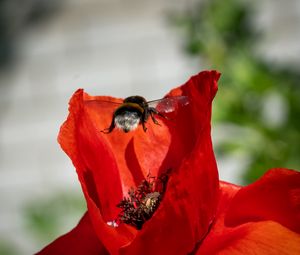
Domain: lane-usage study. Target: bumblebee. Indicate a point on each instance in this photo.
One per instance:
(136, 110)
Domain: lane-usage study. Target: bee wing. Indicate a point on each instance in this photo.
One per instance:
(100, 101)
(169, 104)
(103, 106)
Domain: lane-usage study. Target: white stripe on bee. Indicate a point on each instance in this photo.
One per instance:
(127, 121)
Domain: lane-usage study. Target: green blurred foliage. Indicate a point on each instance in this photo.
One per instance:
(7, 248)
(52, 217)
(258, 103)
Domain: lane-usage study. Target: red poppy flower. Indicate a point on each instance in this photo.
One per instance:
(192, 214)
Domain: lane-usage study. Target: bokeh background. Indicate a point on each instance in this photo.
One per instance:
(49, 48)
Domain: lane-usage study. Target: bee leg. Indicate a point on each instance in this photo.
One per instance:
(111, 127)
(144, 126)
(153, 111)
(144, 118)
(153, 118)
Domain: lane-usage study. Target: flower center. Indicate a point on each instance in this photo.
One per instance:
(141, 203)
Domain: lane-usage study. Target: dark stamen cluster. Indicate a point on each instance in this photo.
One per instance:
(141, 203)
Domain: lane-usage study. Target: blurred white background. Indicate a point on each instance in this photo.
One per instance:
(110, 47)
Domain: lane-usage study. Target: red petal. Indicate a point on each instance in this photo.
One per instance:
(97, 171)
(190, 201)
(276, 196)
(81, 240)
(92, 158)
(266, 237)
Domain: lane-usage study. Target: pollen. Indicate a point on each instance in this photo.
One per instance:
(140, 204)
(113, 224)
